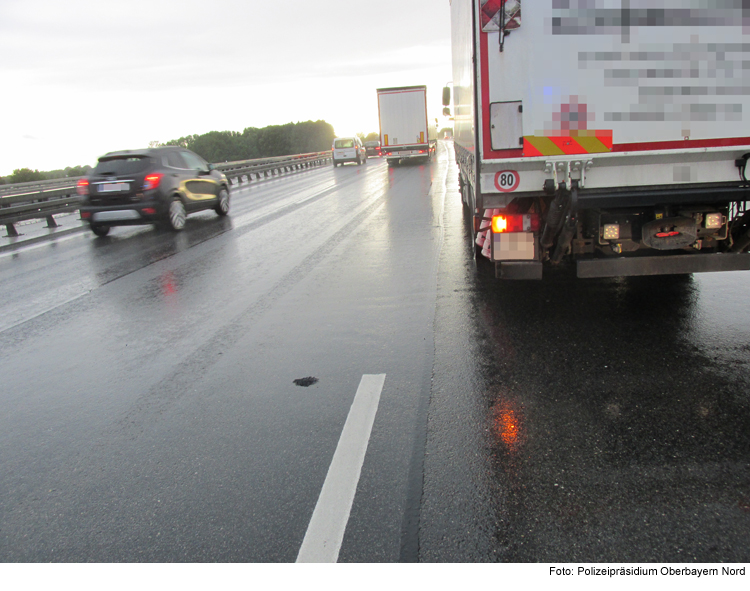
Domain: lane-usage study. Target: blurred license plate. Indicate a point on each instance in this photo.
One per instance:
(113, 216)
(111, 187)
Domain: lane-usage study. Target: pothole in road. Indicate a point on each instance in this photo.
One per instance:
(305, 382)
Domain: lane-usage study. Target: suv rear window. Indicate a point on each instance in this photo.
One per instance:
(344, 143)
(122, 165)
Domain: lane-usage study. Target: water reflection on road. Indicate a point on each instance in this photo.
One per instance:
(632, 421)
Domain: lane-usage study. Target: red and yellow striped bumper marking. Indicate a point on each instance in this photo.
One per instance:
(581, 142)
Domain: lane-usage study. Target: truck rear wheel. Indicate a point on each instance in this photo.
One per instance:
(469, 210)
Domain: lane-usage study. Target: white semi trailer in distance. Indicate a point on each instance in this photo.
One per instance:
(405, 131)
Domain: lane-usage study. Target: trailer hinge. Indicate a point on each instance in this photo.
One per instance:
(566, 171)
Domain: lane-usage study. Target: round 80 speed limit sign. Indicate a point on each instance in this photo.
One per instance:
(507, 180)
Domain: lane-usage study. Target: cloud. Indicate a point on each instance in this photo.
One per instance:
(94, 75)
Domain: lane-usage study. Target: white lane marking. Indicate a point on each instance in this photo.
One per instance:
(43, 312)
(41, 244)
(314, 195)
(326, 529)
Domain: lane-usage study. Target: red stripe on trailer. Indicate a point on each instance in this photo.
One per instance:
(484, 75)
(682, 144)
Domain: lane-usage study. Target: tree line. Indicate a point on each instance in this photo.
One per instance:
(26, 175)
(222, 146)
(266, 142)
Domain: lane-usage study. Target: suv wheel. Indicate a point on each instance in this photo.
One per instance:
(100, 230)
(177, 215)
(222, 207)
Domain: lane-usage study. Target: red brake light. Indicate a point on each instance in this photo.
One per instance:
(82, 187)
(667, 234)
(152, 181)
(526, 222)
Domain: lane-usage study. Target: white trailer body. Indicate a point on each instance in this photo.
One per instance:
(629, 118)
(404, 129)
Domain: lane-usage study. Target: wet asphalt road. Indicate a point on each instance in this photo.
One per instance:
(150, 414)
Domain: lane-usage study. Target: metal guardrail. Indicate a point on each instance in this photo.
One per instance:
(38, 186)
(44, 199)
(266, 167)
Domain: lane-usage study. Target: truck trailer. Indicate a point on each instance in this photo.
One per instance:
(611, 135)
(405, 132)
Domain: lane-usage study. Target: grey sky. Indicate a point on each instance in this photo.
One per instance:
(84, 77)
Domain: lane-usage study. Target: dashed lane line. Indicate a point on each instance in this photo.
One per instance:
(325, 532)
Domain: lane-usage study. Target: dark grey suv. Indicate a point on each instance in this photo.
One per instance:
(151, 186)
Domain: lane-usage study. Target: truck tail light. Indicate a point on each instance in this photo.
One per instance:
(714, 221)
(611, 231)
(152, 181)
(82, 187)
(525, 222)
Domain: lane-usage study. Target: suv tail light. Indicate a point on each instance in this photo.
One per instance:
(525, 222)
(152, 181)
(82, 187)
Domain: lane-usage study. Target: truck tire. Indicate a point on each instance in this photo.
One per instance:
(469, 210)
(463, 193)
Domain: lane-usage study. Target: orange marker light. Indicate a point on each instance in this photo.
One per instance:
(524, 222)
(499, 224)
